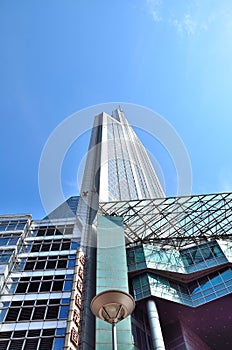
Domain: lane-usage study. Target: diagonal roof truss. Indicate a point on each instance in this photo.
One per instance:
(175, 221)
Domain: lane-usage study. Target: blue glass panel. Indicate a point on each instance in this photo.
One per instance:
(210, 297)
(136, 282)
(187, 258)
(204, 284)
(3, 241)
(4, 258)
(13, 241)
(196, 296)
(221, 292)
(219, 286)
(216, 278)
(11, 227)
(217, 251)
(68, 285)
(65, 301)
(71, 264)
(60, 331)
(64, 312)
(20, 226)
(75, 245)
(2, 314)
(59, 344)
(227, 274)
(228, 282)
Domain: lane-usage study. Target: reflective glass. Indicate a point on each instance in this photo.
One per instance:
(58, 344)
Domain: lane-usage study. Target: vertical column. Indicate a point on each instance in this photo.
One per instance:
(156, 333)
(112, 274)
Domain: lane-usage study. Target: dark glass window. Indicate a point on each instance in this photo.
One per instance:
(52, 312)
(52, 230)
(39, 313)
(25, 313)
(3, 344)
(46, 286)
(30, 340)
(31, 344)
(33, 333)
(46, 344)
(12, 314)
(16, 344)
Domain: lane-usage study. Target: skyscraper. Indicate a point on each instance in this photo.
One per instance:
(172, 254)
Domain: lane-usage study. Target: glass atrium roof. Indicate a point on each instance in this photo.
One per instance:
(175, 221)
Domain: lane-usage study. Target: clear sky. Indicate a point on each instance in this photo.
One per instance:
(60, 56)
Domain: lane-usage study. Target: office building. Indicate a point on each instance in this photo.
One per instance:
(172, 254)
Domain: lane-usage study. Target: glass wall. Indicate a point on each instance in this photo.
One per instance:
(195, 293)
(183, 261)
(35, 298)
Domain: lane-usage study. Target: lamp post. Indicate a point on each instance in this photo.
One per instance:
(112, 306)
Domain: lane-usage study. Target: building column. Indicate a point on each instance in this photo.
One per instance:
(156, 333)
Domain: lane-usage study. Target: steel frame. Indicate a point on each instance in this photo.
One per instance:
(175, 221)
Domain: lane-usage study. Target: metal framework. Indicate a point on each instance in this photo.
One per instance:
(175, 221)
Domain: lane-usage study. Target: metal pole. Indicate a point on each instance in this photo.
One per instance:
(114, 336)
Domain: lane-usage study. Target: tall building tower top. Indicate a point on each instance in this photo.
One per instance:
(118, 166)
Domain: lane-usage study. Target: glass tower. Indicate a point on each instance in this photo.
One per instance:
(126, 170)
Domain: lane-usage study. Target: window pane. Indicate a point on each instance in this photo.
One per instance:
(59, 344)
(39, 313)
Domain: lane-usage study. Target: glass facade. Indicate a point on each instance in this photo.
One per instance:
(184, 261)
(40, 259)
(44, 339)
(112, 274)
(130, 173)
(12, 224)
(195, 293)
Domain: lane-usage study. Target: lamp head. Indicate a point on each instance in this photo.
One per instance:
(112, 306)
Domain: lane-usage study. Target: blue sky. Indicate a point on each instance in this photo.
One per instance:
(58, 57)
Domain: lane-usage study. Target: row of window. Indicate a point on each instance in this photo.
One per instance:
(201, 253)
(135, 255)
(46, 262)
(9, 239)
(38, 284)
(46, 339)
(186, 257)
(195, 293)
(53, 230)
(51, 245)
(12, 225)
(5, 255)
(30, 310)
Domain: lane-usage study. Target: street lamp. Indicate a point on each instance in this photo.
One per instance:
(112, 306)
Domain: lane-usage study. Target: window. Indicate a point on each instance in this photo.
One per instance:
(5, 255)
(35, 284)
(29, 310)
(54, 230)
(202, 253)
(12, 225)
(9, 239)
(33, 339)
(51, 262)
(51, 245)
